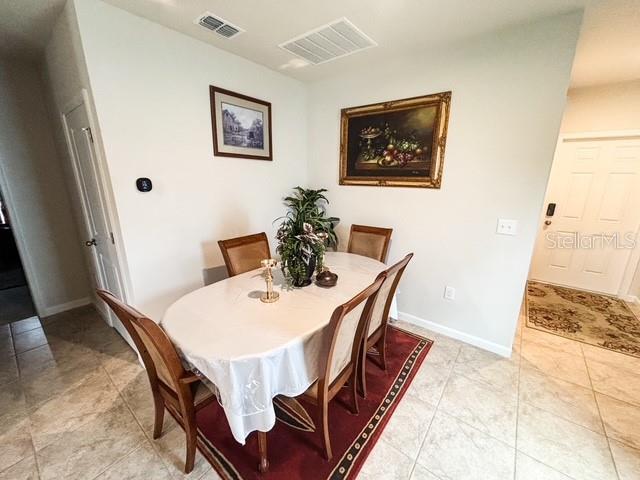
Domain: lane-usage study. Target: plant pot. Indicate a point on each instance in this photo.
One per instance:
(305, 280)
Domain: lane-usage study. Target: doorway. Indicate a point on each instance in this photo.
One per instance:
(587, 248)
(588, 239)
(15, 297)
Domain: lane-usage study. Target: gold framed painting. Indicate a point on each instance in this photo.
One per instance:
(400, 143)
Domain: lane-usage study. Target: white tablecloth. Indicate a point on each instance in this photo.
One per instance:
(252, 351)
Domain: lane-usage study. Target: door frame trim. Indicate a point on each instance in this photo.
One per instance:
(105, 186)
(633, 263)
(597, 135)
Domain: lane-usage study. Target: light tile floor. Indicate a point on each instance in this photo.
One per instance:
(75, 404)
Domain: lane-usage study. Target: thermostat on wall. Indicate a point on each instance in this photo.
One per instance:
(144, 184)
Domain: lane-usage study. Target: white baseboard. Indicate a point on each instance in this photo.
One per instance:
(630, 299)
(457, 334)
(63, 307)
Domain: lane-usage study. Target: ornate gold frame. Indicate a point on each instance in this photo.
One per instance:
(441, 100)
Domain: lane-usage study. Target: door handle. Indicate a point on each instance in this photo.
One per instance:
(91, 243)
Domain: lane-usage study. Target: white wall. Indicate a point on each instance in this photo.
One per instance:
(151, 91)
(508, 95)
(603, 108)
(34, 187)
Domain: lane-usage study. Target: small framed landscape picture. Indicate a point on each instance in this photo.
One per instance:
(241, 125)
(399, 143)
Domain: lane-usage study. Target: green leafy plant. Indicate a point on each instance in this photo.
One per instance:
(304, 234)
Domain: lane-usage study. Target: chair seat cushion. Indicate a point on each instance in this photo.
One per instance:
(203, 394)
(312, 391)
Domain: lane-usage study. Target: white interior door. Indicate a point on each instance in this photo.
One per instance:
(587, 243)
(99, 240)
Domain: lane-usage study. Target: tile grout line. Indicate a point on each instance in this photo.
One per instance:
(563, 418)
(518, 417)
(108, 467)
(604, 428)
(28, 416)
(551, 413)
(570, 421)
(473, 427)
(100, 367)
(553, 469)
(555, 376)
(515, 440)
(590, 388)
(33, 447)
(134, 417)
(29, 410)
(437, 406)
(150, 441)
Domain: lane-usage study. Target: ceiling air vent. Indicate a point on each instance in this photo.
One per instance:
(218, 25)
(334, 40)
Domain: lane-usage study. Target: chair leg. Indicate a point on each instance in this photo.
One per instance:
(191, 448)
(381, 346)
(324, 421)
(159, 416)
(354, 392)
(263, 466)
(362, 377)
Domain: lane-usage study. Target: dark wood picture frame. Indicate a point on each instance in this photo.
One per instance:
(220, 149)
(429, 155)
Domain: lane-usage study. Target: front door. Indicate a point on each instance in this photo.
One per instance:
(98, 238)
(587, 242)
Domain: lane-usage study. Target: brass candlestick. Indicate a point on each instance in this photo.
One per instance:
(269, 296)
(323, 238)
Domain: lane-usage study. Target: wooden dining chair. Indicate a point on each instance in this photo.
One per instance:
(372, 242)
(181, 392)
(340, 354)
(377, 329)
(242, 254)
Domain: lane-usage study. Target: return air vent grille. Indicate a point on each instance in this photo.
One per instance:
(334, 40)
(218, 25)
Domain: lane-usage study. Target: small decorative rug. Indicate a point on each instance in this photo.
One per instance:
(294, 446)
(591, 318)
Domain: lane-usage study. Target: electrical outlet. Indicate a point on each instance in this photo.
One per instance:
(449, 293)
(507, 227)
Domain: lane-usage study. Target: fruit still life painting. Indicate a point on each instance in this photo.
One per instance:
(397, 143)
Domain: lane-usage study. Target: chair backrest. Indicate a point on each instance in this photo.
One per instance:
(242, 254)
(382, 305)
(345, 332)
(158, 353)
(372, 242)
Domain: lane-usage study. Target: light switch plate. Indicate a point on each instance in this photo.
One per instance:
(507, 226)
(449, 293)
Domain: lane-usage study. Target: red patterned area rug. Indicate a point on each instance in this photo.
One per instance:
(294, 446)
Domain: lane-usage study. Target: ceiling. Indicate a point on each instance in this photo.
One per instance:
(609, 47)
(398, 26)
(608, 50)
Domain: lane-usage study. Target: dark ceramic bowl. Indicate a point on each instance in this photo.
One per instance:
(326, 279)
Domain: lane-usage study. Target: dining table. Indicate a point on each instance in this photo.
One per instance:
(250, 351)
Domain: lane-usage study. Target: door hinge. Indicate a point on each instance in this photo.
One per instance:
(89, 133)
(112, 239)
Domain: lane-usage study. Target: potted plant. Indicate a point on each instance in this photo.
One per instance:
(304, 235)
